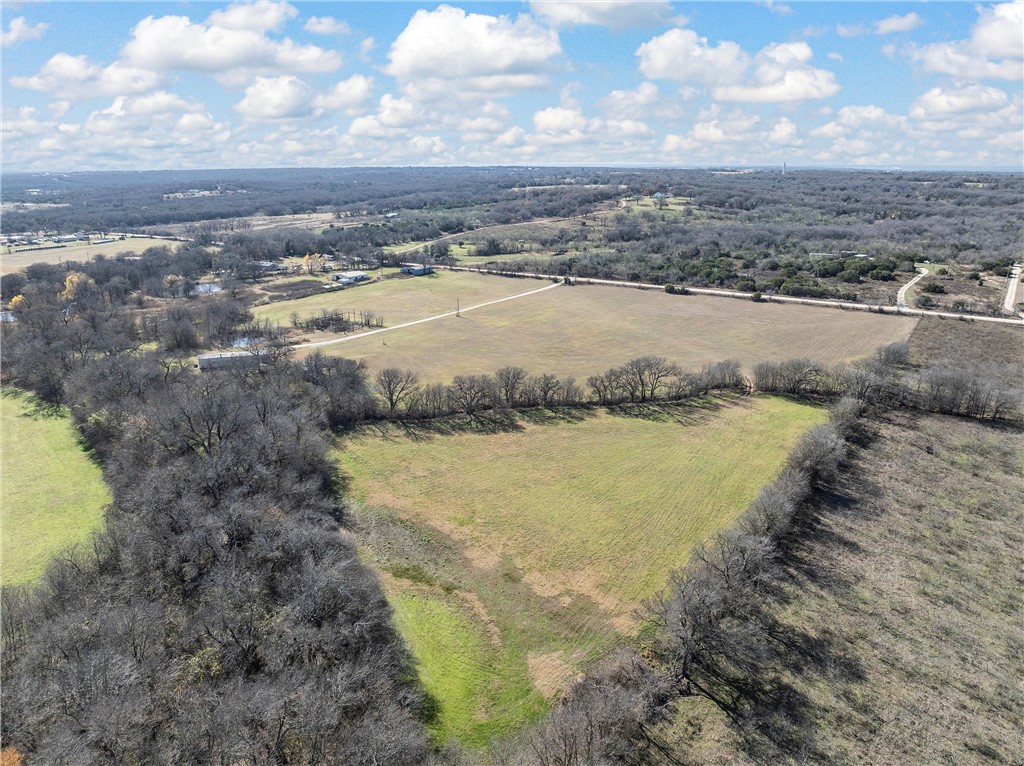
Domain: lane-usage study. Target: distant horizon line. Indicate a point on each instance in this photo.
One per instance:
(778, 167)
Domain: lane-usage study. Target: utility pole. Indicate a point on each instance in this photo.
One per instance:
(457, 309)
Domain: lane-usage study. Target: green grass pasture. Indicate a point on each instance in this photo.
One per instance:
(51, 496)
(516, 558)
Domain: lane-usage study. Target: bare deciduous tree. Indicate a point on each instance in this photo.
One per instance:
(396, 386)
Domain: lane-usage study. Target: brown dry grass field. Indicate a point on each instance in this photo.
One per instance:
(14, 259)
(584, 329)
(996, 349)
(400, 300)
(905, 598)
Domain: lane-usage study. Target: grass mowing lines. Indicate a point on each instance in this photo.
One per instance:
(52, 494)
(481, 688)
(616, 501)
(545, 539)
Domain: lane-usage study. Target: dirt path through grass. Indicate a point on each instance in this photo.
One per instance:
(901, 296)
(332, 341)
(1011, 289)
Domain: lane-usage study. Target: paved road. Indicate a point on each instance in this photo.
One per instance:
(345, 339)
(901, 296)
(746, 296)
(1011, 290)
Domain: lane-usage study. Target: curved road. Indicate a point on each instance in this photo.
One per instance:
(901, 296)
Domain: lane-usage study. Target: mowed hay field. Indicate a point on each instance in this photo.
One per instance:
(12, 260)
(584, 329)
(400, 300)
(51, 496)
(531, 548)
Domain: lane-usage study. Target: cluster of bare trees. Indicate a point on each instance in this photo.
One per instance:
(403, 395)
(222, 615)
(337, 321)
(886, 377)
(652, 378)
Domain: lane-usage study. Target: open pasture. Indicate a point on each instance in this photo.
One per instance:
(584, 329)
(516, 557)
(15, 259)
(52, 494)
(399, 300)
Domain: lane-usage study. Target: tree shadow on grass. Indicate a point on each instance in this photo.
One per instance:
(485, 423)
(691, 412)
(37, 409)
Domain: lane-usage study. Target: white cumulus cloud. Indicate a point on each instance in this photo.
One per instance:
(349, 96)
(450, 53)
(782, 73)
(76, 77)
(276, 98)
(259, 16)
(176, 43)
(617, 14)
(893, 24)
(969, 98)
(680, 54)
(630, 103)
(326, 25)
(995, 49)
(19, 30)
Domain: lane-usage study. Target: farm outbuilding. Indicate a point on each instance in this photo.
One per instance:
(356, 276)
(228, 360)
(417, 269)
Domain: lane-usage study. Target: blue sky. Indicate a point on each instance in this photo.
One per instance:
(130, 85)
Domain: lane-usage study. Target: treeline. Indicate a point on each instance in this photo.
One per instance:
(95, 201)
(395, 393)
(884, 378)
(157, 272)
(222, 615)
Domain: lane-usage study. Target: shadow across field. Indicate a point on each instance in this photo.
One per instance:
(693, 412)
